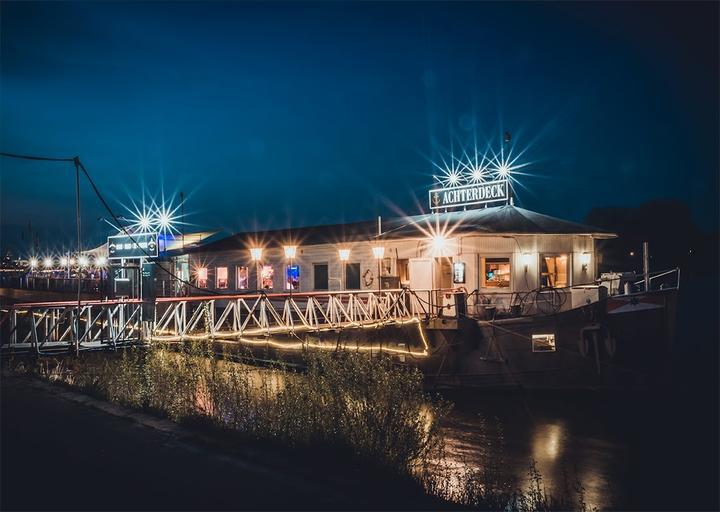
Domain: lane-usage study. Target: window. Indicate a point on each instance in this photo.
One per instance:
(497, 273)
(459, 272)
(292, 277)
(266, 277)
(543, 343)
(320, 276)
(221, 278)
(554, 270)
(242, 276)
(403, 271)
(352, 276)
(201, 276)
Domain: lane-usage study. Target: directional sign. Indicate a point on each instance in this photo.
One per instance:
(465, 195)
(139, 245)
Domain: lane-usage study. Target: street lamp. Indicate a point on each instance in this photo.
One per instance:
(379, 252)
(256, 256)
(344, 257)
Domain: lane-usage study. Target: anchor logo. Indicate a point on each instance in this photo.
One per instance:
(436, 199)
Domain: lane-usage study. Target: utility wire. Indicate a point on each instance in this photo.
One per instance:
(43, 158)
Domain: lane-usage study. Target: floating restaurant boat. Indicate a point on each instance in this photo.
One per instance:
(477, 292)
(500, 295)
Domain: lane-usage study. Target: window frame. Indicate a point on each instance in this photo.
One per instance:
(327, 275)
(288, 284)
(217, 278)
(202, 282)
(237, 277)
(359, 274)
(568, 267)
(483, 273)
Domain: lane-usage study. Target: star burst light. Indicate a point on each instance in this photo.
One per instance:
(162, 217)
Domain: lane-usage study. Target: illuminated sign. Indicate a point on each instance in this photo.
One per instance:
(466, 195)
(140, 245)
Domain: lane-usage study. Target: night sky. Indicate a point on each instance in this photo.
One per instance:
(274, 114)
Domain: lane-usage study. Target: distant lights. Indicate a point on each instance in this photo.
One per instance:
(503, 171)
(63, 261)
(83, 261)
(33, 262)
(101, 261)
(48, 262)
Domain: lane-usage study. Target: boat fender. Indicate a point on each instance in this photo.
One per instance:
(610, 344)
(583, 344)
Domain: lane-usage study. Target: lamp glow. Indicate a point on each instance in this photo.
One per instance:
(378, 252)
(63, 261)
(504, 171)
(33, 262)
(438, 244)
(256, 253)
(585, 260)
(290, 251)
(83, 261)
(100, 261)
(344, 254)
(47, 262)
(527, 259)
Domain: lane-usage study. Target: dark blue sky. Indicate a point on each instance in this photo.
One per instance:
(306, 113)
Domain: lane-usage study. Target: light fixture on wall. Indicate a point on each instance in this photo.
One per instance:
(526, 260)
(290, 251)
(256, 253)
(438, 245)
(585, 261)
(344, 254)
(378, 252)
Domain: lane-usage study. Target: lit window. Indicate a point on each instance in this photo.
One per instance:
(242, 277)
(497, 272)
(459, 272)
(543, 343)
(292, 277)
(266, 277)
(221, 278)
(201, 275)
(554, 270)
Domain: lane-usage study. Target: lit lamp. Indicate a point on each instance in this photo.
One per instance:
(438, 245)
(100, 261)
(83, 261)
(379, 252)
(256, 256)
(344, 257)
(526, 260)
(33, 263)
(290, 251)
(585, 261)
(47, 262)
(63, 261)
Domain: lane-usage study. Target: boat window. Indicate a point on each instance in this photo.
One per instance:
(403, 270)
(554, 270)
(320, 276)
(201, 277)
(543, 342)
(459, 272)
(242, 277)
(292, 277)
(497, 273)
(221, 278)
(266, 277)
(352, 276)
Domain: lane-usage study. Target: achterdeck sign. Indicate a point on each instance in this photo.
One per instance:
(480, 193)
(141, 245)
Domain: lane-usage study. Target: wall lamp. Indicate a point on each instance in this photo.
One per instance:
(585, 261)
(344, 254)
(256, 253)
(526, 260)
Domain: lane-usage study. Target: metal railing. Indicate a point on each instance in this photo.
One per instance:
(660, 280)
(54, 284)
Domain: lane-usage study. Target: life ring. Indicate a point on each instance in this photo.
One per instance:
(368, 280)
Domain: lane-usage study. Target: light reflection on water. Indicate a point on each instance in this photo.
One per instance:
(506, 433)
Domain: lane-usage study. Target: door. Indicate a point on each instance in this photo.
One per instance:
(444, 284)
(421, 282)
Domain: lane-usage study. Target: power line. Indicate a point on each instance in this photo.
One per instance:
(42, 158)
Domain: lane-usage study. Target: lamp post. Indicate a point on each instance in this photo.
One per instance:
(344, 257)
(379, 252)
(256, 255)
(290, 251)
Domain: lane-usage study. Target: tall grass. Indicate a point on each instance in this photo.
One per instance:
(369, 406)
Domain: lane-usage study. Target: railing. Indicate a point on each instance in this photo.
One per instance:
(49, 326)
(661, 280)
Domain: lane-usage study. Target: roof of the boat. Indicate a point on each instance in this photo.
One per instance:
(497, 220)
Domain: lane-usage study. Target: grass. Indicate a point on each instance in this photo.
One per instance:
(368, 407)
